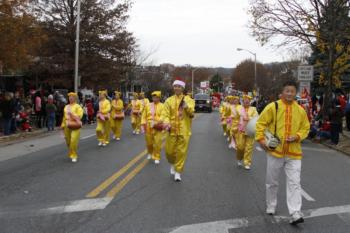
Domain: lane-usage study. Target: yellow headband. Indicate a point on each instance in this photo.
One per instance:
(117, 93)
(103, 92)
(72, 94)
(247, 97)
(157, 94)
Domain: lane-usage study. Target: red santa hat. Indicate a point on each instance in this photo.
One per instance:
(179, 81)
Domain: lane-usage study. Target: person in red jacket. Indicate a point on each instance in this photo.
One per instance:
(90, 111)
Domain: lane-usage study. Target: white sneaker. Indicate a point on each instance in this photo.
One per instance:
(228, 139)
(224, 134)
(118, 139)
(104, 144)
(137, 133)
(100, 144)
(247, 167)
(113, 137)
(177, 177)
(134, 132)
(74, 160)
(239, 163)
(149, 156)
(172, 170)
(270, 211)
(156, 162)
(230, 146)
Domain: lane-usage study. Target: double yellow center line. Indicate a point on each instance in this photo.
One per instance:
(119, 186)
(109, 181)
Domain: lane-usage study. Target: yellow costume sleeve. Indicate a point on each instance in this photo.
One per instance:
(145, 114)
(304, 127)
(63, 124)
(166, 112)
(265, 119)
(190, 106)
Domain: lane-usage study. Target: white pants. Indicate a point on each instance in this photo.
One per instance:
(292, 169)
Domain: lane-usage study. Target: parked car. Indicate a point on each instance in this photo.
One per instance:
(203, 103)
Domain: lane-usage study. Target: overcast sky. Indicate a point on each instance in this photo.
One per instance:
(196, 32)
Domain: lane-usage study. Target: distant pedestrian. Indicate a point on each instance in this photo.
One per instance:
(347, 115)
(8, 112)
(336, 117)
(50, 113)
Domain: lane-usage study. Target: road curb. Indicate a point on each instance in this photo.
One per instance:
(336, 149)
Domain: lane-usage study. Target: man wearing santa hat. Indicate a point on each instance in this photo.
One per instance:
(177, 118)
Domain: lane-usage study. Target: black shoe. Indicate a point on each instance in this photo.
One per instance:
(297, 221)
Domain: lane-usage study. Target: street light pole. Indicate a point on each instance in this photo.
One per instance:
(255, 71)
(193, 79)
(76, 69)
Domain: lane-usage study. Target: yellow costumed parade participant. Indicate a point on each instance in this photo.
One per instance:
(280, 129)
(117, 116)
(177, 118)
(71, 125)
(153, 127)
(103, 119)
(234, 117)
(222, 111)
(136, 108)
(244, 142)
(144, 102)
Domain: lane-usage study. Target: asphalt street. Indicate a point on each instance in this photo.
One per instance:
(115, 189)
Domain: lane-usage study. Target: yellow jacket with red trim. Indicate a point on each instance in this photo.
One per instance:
(291, 121)
(180, 124)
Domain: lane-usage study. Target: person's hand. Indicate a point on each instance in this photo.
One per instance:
(263, 145)
(291, 139)
(184, 105)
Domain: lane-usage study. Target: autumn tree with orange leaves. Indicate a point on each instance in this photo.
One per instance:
(21, 36)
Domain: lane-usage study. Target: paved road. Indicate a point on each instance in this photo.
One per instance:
(114, 189)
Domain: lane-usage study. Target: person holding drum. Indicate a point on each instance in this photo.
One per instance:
(103, 119)
(153, 127)
(71, 125)
(135, 106)
(245, 142)
(233, 120)
(117, 116)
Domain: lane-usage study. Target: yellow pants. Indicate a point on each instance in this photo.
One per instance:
(103, 131)
(244, 148)
(116, 126)
(72, 139)
(154, 143)
(176, 151)
(136, 122)
(224, 128)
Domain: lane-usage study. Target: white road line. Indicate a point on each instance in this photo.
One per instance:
(306, 195)
(89, 136)
(225, 225)
(70, 207)
(316, 149)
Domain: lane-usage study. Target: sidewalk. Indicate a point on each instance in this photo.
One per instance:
(20, 136)
(344, 143)
(42, 140)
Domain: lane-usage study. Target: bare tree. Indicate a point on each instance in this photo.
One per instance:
(321, 24)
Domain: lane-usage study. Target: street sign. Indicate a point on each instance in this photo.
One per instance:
(205, 84)
(305, 73)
